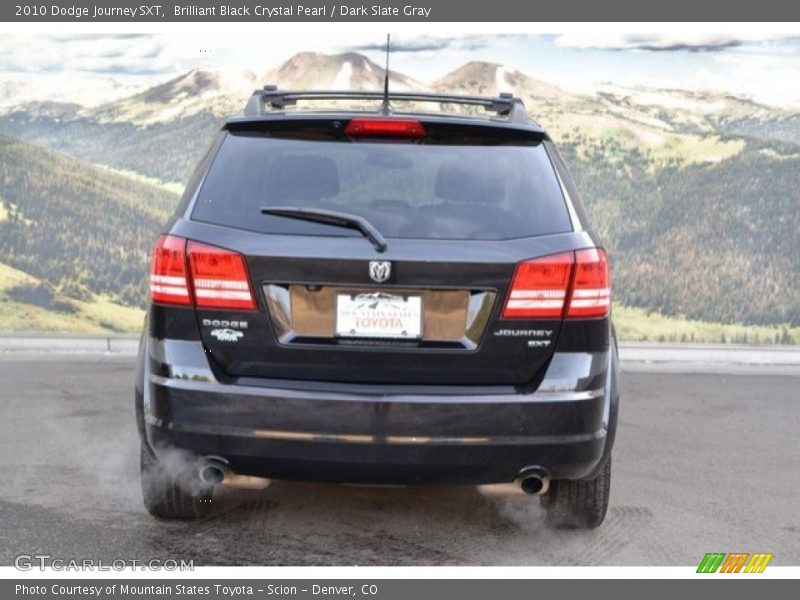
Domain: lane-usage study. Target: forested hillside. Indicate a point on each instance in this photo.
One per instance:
(718, 242)
(697, 196)
(81, 228)
(165, 151)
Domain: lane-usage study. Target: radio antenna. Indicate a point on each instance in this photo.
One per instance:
(386, 109)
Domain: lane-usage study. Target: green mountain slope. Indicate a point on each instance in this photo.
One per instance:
(82, 229)
(166, 151)
(696, 195)
(718, 242)
(28, 304)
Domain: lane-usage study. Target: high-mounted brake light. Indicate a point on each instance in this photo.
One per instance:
(591, 291)
(574, 285)
(219, 278)
(539, 288)
(168, 278)
(396, 128)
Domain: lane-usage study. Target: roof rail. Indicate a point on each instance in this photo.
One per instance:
(270, 98)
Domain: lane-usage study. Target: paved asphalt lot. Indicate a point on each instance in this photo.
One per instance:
(703, 462)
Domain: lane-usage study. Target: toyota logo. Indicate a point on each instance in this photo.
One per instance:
(380, 270)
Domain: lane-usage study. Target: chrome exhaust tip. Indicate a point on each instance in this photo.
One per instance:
(533, 481)
(213, 471)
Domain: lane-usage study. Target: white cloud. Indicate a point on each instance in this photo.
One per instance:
(693, 42)
(770, 79)
(98, 54)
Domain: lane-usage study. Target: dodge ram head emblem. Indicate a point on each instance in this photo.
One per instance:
(380, 270)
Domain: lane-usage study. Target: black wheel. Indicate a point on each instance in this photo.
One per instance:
(578, 504)
(172, 491)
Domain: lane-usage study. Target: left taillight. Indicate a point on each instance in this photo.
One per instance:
(185, 273)
(169, 282)
(219, 278)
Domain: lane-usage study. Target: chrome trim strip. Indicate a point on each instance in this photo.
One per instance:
(348, 438)
(555, 395)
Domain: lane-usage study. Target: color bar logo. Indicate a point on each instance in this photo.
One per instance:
(735, 562)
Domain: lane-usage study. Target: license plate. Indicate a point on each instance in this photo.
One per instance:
(378, 315)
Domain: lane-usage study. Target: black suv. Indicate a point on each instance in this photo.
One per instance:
(379, 296)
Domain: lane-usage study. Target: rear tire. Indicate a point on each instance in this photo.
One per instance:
(578, 504)
(170, 492)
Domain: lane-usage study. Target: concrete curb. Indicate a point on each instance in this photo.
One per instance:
(64, 343)
(709, 354)
(630, 352)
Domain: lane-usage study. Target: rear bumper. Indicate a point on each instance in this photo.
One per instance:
(369, 434)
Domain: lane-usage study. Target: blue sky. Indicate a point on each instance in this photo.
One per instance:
(766, 68)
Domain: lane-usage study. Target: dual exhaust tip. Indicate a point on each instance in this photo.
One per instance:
(213, 471)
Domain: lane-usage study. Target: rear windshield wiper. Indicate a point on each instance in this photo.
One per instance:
(331, 217)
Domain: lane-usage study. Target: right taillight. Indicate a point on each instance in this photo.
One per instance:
(591, 289)
(574, 285)
(539, 288)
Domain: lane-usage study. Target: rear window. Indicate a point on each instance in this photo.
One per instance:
(405, 190)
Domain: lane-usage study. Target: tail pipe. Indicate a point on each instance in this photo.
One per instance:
(534, 481)
(212, 470)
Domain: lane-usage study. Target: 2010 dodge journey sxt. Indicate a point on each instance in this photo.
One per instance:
(379, 296)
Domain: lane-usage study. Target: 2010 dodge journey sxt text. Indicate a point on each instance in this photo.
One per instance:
(380, 296)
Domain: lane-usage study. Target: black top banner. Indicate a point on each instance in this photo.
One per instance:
(402, 11)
